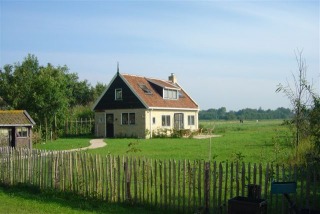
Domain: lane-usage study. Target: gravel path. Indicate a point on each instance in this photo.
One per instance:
(95, 143)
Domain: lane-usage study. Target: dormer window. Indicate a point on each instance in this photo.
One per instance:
(118, 94)
(170, 94)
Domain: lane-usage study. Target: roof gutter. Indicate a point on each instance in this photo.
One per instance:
(169, 108)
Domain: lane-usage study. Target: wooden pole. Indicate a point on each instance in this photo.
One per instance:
(207, 187)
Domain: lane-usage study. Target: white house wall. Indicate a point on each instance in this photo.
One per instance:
(143, 122)
(157, 114)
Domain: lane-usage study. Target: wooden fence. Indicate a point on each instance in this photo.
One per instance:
(79, 126)
(178, 186)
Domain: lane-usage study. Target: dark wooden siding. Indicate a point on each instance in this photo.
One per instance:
(129, 99)
(157, 88)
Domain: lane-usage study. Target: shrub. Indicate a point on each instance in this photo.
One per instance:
(36, 137)
(307, 154)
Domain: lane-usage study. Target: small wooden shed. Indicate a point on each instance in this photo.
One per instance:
(16, 128)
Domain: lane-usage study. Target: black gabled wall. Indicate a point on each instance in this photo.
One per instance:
(129, 99)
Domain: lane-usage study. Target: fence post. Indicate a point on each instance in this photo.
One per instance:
(127, 176)
(118, 179)
(220, 187)
(207, 186)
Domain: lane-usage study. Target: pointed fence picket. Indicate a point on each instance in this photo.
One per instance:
(183, 186)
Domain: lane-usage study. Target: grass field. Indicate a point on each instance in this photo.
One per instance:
(256, 142)
(262, 142)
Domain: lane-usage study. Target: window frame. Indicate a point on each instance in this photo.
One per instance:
(118, 94)
(22, 132)
(166, 120)
(170, 94)
(191, 120)
(130, 118)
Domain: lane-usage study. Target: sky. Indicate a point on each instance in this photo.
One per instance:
(229, 54)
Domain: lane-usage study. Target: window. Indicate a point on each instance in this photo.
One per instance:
(170, 94)
(145, 89)
(4, 132)
(165, 120)
(154, 120)
(180, 95)
(118, 94)
(128, 118)
(191, 120)
(22, 132)
(132, 118)
(125, 118)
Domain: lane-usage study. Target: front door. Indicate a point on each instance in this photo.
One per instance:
(178, 121)
(109, 125)
(12, 137)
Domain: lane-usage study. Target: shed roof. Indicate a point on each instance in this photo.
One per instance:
(15, 118)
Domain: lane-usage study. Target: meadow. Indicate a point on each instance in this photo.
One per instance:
(265, 141)
(256, 142)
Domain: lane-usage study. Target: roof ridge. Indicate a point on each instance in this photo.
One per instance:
(133, 75)
(11, 111)
(152, 78)
(173, 85)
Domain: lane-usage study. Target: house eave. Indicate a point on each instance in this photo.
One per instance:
(29, 118)
(16, 125)
(172, 108)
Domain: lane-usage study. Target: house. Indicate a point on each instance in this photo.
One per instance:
(16, 128)
(136, 106)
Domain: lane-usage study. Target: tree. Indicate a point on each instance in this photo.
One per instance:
(49, 93)
(298, 93)
(46, 92)
(98, 89)
(16, 82)
(314, 118)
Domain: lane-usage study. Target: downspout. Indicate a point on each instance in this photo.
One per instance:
(105, 121)
(196, 120)
(150, 115)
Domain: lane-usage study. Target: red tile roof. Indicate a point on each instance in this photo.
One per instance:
(15, 118)
(154, 99)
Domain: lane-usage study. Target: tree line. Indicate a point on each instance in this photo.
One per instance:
(245, 114)
(49, 93)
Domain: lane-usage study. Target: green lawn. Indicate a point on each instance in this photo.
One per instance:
(264, 141)
(65, 143)
(25, 200)
(251, 141)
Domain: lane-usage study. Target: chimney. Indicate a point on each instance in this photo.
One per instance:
(173, 78)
